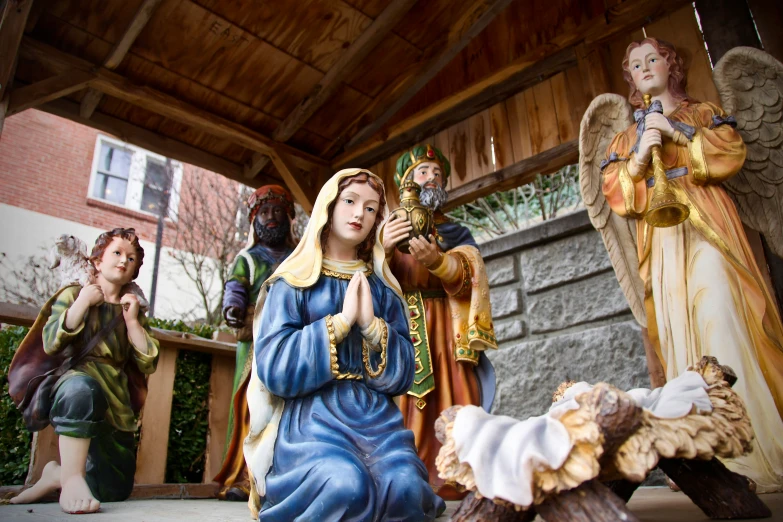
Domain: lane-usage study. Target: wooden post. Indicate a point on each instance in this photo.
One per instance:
(473, 509)
(14, 18)
(155, 421)
(718, 492)
(726, 24)
(590, 502)
(3, 110)
(768, 17)
(219, 402)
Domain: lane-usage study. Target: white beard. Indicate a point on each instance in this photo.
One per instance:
(433, 198)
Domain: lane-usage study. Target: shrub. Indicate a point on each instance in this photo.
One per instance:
(14, 438)
(189, 408)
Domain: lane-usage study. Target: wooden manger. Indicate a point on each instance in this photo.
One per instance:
(616, 444)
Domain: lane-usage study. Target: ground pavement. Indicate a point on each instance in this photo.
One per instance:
(649, 504)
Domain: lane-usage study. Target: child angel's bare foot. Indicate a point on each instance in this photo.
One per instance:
(76, 496)
(49, 482)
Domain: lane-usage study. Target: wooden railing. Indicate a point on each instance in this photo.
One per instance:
(156, 415)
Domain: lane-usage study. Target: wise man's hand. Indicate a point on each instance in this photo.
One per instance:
(234, 317)
(395, 230)
(424, 251)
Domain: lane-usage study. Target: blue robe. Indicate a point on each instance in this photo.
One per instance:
(342, 452)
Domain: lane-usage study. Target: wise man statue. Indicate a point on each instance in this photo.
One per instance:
(447, 294)
(270, 212)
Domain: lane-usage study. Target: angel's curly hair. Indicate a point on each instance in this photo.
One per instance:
(364, 250)
(677, 77)
(105, 239)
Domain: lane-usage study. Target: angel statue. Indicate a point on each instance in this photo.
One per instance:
(332, 349)
(695, 285)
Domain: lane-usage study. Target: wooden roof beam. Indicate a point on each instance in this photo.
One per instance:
(93, 98)
(153, 141)
(169, 106)
(304, 194)
(13, 20)
(345, 65)
(63, 84)
(556, 55)
(525, 73)
(388, 103)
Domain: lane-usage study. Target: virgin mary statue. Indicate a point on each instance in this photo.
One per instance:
(331, 350)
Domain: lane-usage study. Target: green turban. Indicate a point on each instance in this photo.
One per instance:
(421, 154)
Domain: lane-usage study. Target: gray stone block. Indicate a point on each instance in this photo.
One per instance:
(529, 372)
(501, 271)
(504, 302)
(564, 260)
(591, 299)
(510, 330)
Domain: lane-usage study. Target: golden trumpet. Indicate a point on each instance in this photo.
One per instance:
(664, 210)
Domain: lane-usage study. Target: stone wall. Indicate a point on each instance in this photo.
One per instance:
(559, 314)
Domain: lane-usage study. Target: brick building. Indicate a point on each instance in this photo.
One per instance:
(60, 177)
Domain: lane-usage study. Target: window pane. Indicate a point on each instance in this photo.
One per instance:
(115, 190)
(99, 188)
(156, 175)
(151, 200)
(110, 188)
(115, 160)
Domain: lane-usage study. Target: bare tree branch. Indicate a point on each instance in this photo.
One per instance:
(209, 230)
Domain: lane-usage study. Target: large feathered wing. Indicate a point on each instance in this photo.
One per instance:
(750, 84)
(606, 116)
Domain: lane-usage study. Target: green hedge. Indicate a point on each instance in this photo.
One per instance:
(189, 408)
(14, 438)
(189, 411)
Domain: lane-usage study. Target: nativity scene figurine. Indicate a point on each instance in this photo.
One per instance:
(332, 349)
(658, 175)
(270, 212)
(82, 368)
(446, 289)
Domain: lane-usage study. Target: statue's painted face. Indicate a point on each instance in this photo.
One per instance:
(649, 70)
(428, 173)
(354, 214)
(118, 262)
(271, 224)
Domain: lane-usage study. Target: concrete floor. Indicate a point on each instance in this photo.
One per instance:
(649, 504)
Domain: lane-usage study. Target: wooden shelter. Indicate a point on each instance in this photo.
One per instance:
(287, 92)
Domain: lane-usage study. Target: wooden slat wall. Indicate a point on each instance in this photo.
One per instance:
(549, 113)
(155, 421)
(526, 124)
(219, 404)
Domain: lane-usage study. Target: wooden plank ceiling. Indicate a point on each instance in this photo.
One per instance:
(285, 92)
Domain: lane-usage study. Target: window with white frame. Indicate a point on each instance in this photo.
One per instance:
(132, 177)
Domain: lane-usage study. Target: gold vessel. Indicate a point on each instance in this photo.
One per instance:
(411, 209)
(664, 209)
